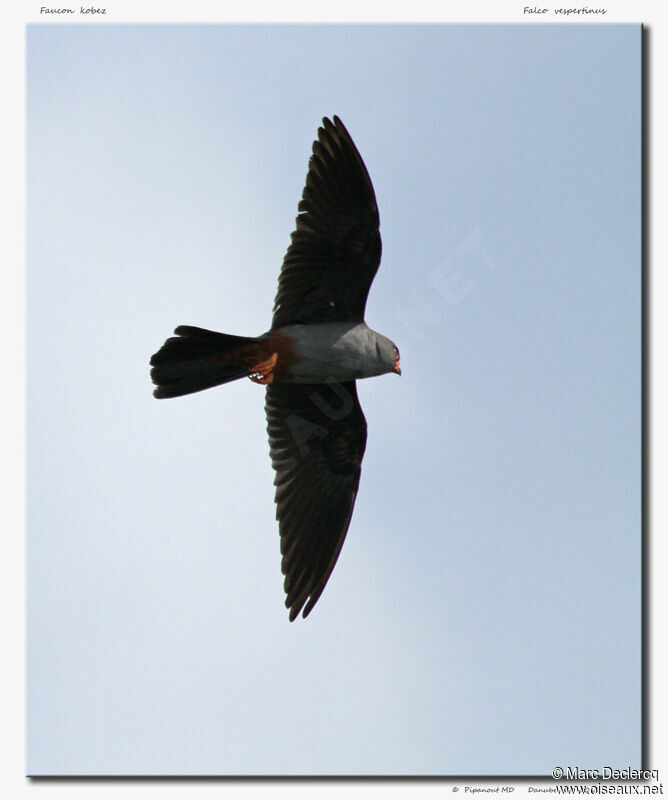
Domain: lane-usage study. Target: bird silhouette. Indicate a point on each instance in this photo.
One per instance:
(316, 349)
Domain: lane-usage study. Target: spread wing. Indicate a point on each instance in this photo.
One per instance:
(317, 437)
(335, 251)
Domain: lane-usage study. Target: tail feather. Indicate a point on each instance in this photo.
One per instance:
(197, 359)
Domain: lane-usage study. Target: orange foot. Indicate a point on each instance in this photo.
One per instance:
(264, 372)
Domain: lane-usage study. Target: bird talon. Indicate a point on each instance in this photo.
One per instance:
(258, 377)
(264, 373)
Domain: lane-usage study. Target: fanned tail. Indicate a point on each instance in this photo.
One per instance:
(196, 359)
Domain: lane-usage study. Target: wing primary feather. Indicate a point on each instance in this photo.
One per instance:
(315, 491)
(335, 248)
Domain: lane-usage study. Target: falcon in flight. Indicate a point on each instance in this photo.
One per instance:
(318, 346)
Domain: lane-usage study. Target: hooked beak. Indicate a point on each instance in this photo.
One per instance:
(397, 367)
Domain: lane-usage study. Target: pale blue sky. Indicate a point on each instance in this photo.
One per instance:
(484, 616)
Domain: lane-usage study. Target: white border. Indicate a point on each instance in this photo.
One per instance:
(12, 395)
